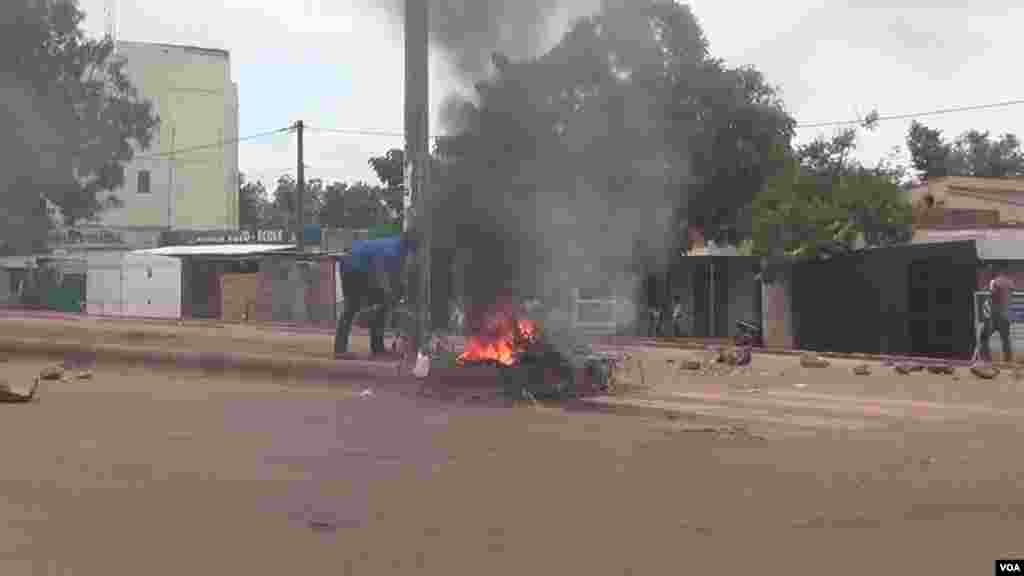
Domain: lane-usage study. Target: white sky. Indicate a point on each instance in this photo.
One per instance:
(338, 64)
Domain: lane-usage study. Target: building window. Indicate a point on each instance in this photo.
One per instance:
(143, 182)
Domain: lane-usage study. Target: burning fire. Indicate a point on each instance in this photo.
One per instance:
(501, 336)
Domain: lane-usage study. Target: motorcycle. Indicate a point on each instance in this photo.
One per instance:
(748, 334)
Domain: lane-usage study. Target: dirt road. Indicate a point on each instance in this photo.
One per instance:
(148, 472)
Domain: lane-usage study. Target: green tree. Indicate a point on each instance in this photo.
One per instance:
(357, 206)
(390, 169)
(253, 204)
(283, 204)
(332, 213)
(824, 203)
(929, 152)
(93, 114)
(977, 153)
(974, 153)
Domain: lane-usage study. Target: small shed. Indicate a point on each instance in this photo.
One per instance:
(211, 279)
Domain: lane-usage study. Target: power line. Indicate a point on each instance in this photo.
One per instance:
(357, 132)
(218, 144)
(915, 115)
(395, 134)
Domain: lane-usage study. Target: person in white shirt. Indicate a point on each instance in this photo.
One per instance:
(678, 318)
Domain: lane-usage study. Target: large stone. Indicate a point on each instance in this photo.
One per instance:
(52, 373)
(10, 395)
(904, 368)
(691, 364)
(985, 372)
(809, 360)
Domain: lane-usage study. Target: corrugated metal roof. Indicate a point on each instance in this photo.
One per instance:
(216, 250)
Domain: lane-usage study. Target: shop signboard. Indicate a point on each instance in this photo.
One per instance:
(253, 236)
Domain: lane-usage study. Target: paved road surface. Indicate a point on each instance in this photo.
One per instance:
(139, 471)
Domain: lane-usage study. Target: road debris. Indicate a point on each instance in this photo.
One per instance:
(862, 370)
(904, 368)
(985, 372)
(11, 395)
(942, 369)
(809, 360)
(52, 373)
(691, 364)
(366, 393)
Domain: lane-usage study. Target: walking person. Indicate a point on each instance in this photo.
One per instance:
(1001, 288)
(678, 318)
(654, 322)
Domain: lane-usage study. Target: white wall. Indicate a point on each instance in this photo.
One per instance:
(151, 286)
(196, 186)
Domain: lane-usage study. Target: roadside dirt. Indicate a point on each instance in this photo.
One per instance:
(186, 336)
(155, 472)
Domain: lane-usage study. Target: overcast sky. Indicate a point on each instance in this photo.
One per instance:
(338, 64)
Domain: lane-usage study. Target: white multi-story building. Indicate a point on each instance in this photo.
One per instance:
(188, 178)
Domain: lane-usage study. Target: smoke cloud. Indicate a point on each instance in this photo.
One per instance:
(469, 31)
(531, 226)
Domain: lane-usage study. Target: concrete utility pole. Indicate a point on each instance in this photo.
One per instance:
(416, 223)
(300, 194)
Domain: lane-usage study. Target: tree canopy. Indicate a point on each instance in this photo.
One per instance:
(79, 117)
(825, 203)
(974, 153)
(356, 205)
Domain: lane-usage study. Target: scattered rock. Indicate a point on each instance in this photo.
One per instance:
(862, 370)
(800, 385)
(10, 395)
(942, 369)
(52, 373)
(84, 375)
(813, 361)
(985, 372)
(322, 526)
(691, 364)
(728, 356)
(903, 368)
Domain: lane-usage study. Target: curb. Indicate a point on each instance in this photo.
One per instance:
(278, 366)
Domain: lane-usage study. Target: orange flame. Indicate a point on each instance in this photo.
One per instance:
(500, 338)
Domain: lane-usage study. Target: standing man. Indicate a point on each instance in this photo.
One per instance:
(370, 279)
(1001, 287)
